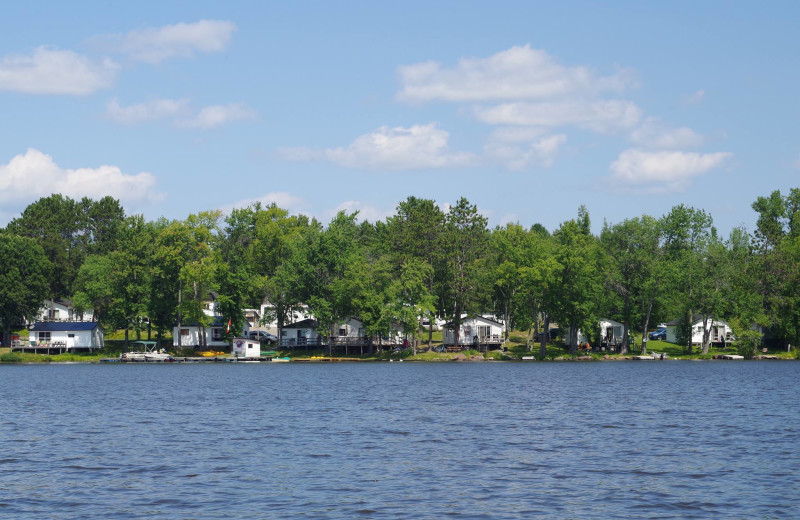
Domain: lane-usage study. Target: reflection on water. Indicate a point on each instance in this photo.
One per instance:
(483, 440)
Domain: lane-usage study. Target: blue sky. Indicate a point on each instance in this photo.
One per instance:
(528, 109)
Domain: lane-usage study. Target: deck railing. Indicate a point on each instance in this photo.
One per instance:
(487, 339)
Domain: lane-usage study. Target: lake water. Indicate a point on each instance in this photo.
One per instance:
(672, 439)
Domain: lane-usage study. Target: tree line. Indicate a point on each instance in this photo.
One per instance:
(419, 264)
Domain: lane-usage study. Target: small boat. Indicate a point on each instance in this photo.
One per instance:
(211, 353)
(145, 352)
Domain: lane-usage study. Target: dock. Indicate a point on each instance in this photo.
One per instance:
(200, 359)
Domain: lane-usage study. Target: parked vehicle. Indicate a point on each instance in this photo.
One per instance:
(552, 335)
(659, 333)
(263, 336)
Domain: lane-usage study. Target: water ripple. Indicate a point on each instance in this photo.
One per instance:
(402, 441)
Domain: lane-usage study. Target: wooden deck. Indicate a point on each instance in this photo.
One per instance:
(479, 343)
(50, 348)
(341, 345)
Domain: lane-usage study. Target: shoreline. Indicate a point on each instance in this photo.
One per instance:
(473, 359)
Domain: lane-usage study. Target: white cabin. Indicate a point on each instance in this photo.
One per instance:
(62, 310)
(349, 328)
(70, 334)
(269, 323)
(245, 348)
(719, 330)
(580, 338)
(611, 332)
(214, 334)
(477, 330)
(301, 333)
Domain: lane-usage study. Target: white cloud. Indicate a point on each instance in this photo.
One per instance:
(653, 133)
(365, 211)
(179, 111)
(518, 73)
(152, 110)
(418, 147)
(599, 116)
(54, 71)
(217, 115)
(663, 170)
(182, 40)
(517, 134)
(35, 175)
(540, 152)
(695, 98)
(508, 218)
(282, 199)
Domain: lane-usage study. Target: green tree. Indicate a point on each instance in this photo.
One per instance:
(537, 300)
(280, 252)
(23, 281)
(131, 276)
(686, 234)
(579, 277)
(508, 247)
(416, 232)
(172, 247)
(466, 240)
(333, 256)
(777, 242)
(94, 288)
(632, 253)
(69, 231)
(410, 298)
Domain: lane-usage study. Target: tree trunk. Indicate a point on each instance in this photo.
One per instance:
(573, 339)
(644, 327)
(431, 321)
(180, 336)
(456, 326)
(505, 320)
(545, 337)
(626, 325)
(528, 337)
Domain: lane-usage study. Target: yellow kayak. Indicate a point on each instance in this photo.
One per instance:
(211, 353)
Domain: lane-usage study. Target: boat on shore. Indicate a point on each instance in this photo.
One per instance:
(145, 352)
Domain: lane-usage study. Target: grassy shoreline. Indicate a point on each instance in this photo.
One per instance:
(515, 352)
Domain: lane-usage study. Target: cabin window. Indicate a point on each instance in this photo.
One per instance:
(343, 331)
(44, 336)
(216, 333)
(483, 330)
(184, 332)
(283, 334)
(70, 335)
(52, 314)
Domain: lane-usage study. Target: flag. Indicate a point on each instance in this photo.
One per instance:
(229, 326)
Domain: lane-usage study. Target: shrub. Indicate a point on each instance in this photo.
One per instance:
(748, 342)
(683, 332)
(11, 357)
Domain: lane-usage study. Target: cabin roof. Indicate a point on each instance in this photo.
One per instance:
(57, 326)
(695, 318)
(450, 324)
(303, 324)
